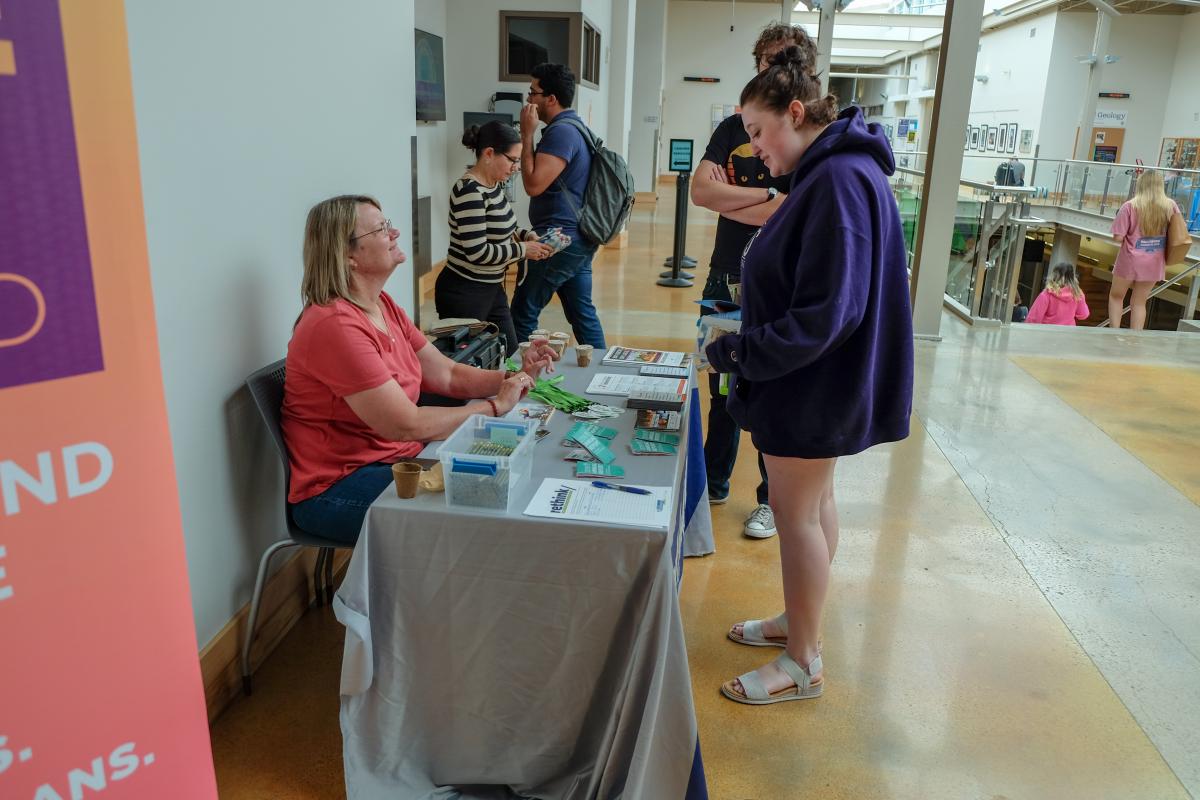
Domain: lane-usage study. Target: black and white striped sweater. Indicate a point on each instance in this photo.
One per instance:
(484, 237)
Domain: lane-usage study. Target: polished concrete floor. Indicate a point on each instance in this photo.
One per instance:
(1015, 605)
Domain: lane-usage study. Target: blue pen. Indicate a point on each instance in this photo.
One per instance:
(630, 489)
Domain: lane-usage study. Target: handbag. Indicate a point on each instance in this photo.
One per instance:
(1179, 241)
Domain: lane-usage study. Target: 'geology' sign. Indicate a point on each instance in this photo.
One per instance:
(100, 691)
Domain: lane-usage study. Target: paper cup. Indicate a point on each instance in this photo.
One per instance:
(566, 337)
(523, 348)
(540, 333)
(583, 355)
(406, 474)
(558, 346)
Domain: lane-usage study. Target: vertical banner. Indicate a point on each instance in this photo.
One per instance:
(100, 689)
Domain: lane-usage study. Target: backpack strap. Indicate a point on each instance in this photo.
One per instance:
(575, 122)
(593, 145)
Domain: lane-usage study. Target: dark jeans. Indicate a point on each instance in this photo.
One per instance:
(338, 512)
(723, 435)
(567, 273)
(456, 296)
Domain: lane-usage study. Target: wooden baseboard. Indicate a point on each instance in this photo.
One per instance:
(649, 198)
(288, 594)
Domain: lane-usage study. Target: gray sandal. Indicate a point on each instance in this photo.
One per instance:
(756, 693)
(752, 634)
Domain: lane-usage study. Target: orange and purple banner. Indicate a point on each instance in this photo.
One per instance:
(100, 690)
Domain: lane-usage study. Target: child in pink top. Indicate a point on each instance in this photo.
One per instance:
(1062, 301)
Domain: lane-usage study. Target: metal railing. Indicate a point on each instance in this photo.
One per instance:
(991, 223)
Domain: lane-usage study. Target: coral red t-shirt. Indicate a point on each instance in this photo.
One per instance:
(336, 351)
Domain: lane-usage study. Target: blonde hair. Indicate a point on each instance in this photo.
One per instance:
(1063, 276)
(327, 233)
(1153, 207)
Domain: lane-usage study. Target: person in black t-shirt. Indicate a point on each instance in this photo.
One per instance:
(732, 181)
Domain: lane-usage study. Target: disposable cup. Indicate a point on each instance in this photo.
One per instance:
(406, 473)
(583, 354)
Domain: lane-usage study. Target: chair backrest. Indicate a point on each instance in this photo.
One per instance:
(266, 387)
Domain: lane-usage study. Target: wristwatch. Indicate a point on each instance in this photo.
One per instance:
(771, 193)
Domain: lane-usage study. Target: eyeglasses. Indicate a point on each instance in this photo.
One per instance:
(532, 93)
(513, 161)
(386, 227)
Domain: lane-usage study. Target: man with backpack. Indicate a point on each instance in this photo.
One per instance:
(555, 176)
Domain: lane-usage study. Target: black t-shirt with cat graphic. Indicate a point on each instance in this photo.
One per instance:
(729, 147)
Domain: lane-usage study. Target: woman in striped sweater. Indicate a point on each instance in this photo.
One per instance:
(484, 238)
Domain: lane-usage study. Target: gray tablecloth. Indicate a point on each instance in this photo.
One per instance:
(493, 655)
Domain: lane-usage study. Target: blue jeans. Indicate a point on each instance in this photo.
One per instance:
(338, 512)
(723, 434)
(569, 274)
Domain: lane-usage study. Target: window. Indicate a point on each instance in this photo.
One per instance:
(591, 54)
(529, 38)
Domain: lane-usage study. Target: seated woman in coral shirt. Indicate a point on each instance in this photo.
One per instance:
(355, 367)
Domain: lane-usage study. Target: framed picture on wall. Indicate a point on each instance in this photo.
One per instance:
(967, 139)
(975, 137)
(1012, 137)
(1027, 141)
(992, 135)
(1002, 138)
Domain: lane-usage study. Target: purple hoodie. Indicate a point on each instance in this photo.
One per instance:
(824, 359)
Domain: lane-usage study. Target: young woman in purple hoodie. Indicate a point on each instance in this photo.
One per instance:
(823, 363)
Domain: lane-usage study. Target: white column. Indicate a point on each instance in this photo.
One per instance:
(1087, 115)
(621, 48)
(951, 106)
(650, 52)
(825, 42)
(1064, 248)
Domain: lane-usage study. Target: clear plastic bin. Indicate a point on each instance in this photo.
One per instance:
(475, 480)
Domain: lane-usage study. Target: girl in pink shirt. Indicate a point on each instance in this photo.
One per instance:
(1062, 301)
(1141, 231)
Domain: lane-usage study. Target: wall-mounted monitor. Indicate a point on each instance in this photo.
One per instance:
(431, 77)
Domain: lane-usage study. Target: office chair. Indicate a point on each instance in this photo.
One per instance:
(266, 387)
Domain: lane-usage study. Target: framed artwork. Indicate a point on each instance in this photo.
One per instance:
(1027, 141)
(975, 138)
(1001, 135)
(992, 135)
(1012, 137)
(967, 139)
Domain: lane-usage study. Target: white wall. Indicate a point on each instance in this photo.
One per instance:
(473, 66)
(433, 140)
(1147, 45)
(247, 114)
(1182, 114)
(700, 43)
(650, 43)
(1016, 65)
(619, 52)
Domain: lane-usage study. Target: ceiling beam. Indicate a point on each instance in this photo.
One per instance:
(887, 45)
(874, 20)
(856, 61)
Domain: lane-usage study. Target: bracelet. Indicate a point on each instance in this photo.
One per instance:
(492, 403)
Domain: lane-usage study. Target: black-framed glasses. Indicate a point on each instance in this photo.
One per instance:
(386, 227)
(511, 160)
(532, 93)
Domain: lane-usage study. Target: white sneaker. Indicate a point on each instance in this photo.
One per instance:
(761, 523)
